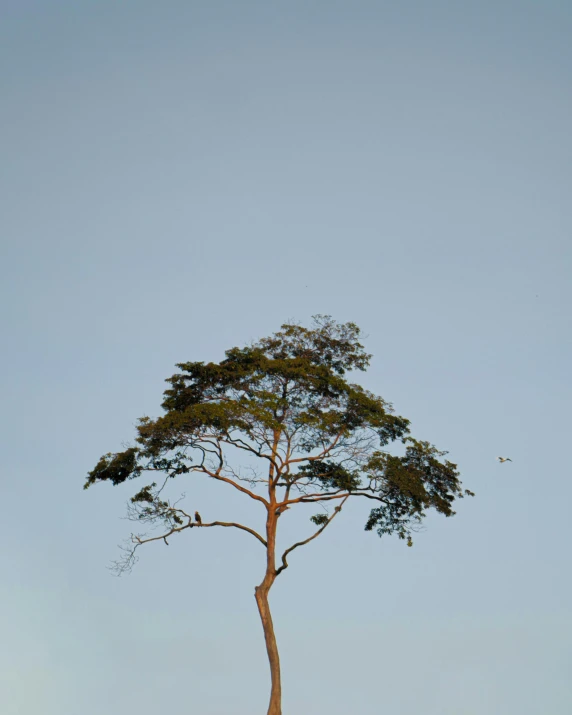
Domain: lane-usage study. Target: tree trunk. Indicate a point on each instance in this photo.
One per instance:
(261, 595)
(261, 592)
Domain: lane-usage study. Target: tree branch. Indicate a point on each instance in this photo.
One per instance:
(241, 444)
(217, 523)
(220, 478)
(127, 562)
(311, 498)
(238, 526)
(311, 538)
(323, 453)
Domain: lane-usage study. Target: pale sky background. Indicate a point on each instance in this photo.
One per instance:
(178, 178)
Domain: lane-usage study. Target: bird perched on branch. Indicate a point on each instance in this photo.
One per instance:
(504, 459)
(198, 518)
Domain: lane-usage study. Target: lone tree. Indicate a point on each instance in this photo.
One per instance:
(284, 401)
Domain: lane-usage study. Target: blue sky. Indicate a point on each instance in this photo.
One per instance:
(182, 177)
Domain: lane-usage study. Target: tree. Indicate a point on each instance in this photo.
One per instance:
(284, 402)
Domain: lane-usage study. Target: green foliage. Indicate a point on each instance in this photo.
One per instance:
(332, 476)
(144, 495)
(330, 345)
(319, 519)
(409, 485)
(115, 468)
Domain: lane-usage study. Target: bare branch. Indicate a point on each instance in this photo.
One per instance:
(314, 498)
(237, 526)
(126, 564)
(128, 561)
(327, 449)
(311, 538)
(217, 523)
(241, 444)
(220, 478)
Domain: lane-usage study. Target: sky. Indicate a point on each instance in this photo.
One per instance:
(180, 178)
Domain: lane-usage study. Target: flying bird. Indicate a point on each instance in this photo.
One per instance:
(198, 517)
(504, 459)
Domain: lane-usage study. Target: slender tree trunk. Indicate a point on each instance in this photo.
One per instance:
(261, 595)
(261, 592)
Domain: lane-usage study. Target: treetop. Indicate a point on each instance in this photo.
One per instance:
(285, 400)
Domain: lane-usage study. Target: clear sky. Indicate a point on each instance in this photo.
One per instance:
(178, 178)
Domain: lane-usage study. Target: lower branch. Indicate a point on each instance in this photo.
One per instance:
(237, 526)
(310, 538)
(342, 494)
(128, 561)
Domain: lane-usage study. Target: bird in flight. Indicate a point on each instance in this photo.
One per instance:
(504, 459)
(198, 517)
